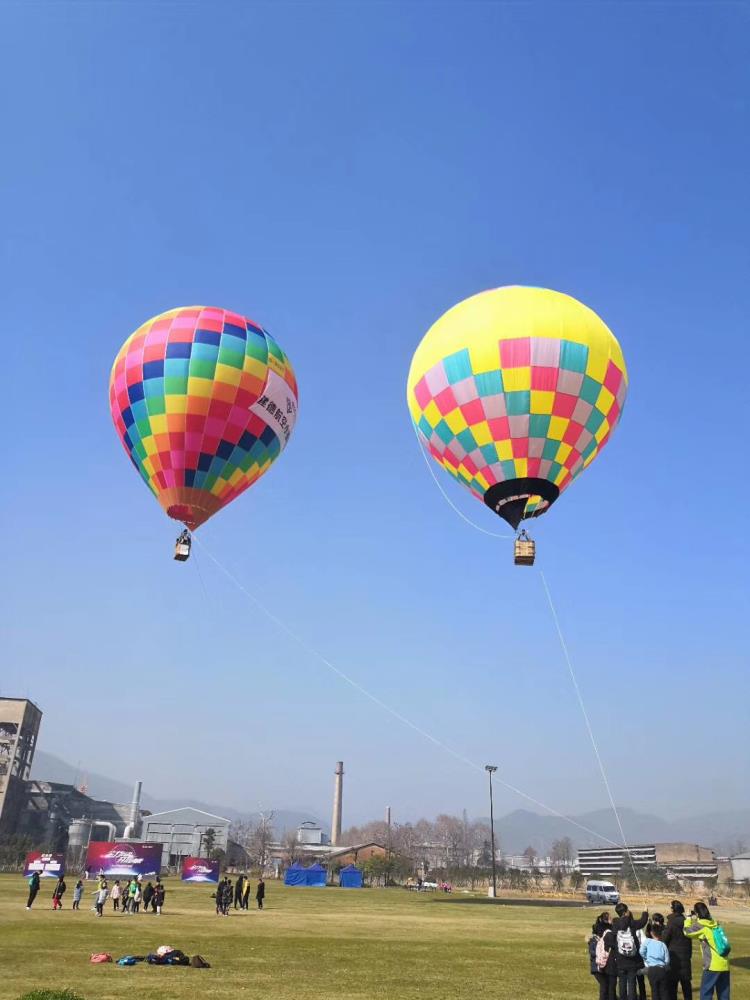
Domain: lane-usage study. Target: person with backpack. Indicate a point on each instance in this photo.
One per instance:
(603, 957)
(680, 953)
(629, 961)
(33, 889)
(715, 948)
(656, 958)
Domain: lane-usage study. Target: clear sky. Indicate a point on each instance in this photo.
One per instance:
(343, 173)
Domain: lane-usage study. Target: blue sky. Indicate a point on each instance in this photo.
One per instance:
(343, 173)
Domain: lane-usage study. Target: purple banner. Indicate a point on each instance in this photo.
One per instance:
(47, 865)
(123, 858)
(200, 870)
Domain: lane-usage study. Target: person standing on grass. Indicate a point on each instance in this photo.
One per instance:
(132, 893)
(625, 928)
(116, 893)
(656, 957)
(57, 894)
(680, 953)
(239, 888)
(158, 897)
(260, 893)
(246, 895)
(77, 893)
(148, 895)
(702, 927)
(153, 894)
(33, 889)
(101, 898)
(136, 905)
(603, 957)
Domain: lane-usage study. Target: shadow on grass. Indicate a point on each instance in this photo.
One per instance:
(499, 901)
(741, 963)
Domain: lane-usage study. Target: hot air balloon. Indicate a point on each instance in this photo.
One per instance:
(204, 400)
(515, 391)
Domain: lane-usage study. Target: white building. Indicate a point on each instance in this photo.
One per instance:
(183, 832)
(740, 867)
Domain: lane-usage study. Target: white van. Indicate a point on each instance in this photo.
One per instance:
(601, 892)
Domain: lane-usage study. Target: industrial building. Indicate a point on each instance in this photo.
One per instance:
(740, 867)
(685, 861)
(19, 730)
(185, 832)
(51, 807)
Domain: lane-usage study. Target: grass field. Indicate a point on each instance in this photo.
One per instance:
(371, 944)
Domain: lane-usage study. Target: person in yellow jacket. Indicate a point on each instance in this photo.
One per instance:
(701, 926)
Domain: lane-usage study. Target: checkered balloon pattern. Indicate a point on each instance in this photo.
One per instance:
(517, 384)
(204, 401)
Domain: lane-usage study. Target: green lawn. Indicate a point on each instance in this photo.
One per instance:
(313, 943)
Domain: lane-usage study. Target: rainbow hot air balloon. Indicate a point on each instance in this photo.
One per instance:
(515, 391)
(203, 400)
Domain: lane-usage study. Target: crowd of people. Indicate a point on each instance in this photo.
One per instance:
(239, 892)
(126, 895)
(625, 952)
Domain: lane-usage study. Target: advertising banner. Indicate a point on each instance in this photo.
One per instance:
(47, 865)
(123, 858)
(200, 870)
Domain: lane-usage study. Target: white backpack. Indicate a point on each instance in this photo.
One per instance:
(625, 943)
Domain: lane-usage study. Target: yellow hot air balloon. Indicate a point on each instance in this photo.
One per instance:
(515, 391)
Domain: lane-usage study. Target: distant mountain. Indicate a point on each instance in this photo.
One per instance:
(48, 767)
(522, 828)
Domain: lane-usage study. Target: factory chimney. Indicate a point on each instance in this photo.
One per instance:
(134, 820)
(338, 790)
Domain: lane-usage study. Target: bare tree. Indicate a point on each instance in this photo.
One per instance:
(290, 845)
(530, 854)
(562, 851)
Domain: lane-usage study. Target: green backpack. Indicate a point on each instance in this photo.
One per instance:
(722, 947)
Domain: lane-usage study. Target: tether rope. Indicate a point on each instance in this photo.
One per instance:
(388, 708)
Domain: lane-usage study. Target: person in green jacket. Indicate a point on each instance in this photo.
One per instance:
(701, 926)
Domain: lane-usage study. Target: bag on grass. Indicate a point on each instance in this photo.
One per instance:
(100, 957)
(177, 957)
(199, 962)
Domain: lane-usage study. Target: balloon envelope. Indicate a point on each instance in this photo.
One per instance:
(203, 400)
(515, 391)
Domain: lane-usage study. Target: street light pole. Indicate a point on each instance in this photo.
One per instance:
(490, 769)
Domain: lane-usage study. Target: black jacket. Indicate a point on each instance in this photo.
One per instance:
(634, 961)
(674, 937)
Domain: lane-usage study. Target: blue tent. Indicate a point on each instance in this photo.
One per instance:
(316, 875)
(350, 877)
(296, 874)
